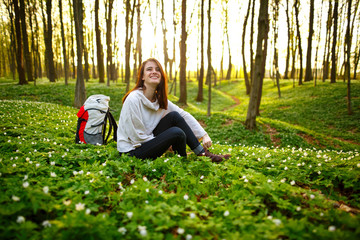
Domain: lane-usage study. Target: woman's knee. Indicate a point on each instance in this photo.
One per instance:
(174, 115)
(178, 133)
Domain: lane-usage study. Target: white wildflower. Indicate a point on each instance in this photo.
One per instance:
(129, 214)
(312, 196)
(292, 183)
(15, 198)
(80, 206)
(226, 213)
(160, 192)
(269, 181)
(20, 219)
(180, 231)
(332, 228)
(88, 211)
(86, 192)
(142, 230)
(46, 223)
(286, 168)
(186, 197)
(132, 181)
(52, 163)
(277, 222)
(25, 177)
(52, 174)
(25, 184)
(188, 237)
(283, 180)
(46, 189)
(192, 215)
(122, 230)
(298, 209)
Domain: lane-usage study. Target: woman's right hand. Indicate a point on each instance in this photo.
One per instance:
(206, 141)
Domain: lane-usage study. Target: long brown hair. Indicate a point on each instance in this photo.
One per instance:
(161, 90)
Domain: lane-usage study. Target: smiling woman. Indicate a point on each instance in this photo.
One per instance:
(150, 124)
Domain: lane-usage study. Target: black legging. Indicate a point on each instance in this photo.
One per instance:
(172, 130)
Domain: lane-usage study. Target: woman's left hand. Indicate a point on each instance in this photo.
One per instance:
(206, 141)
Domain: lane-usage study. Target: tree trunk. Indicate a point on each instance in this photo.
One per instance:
(27, 55)
(348, 46)
(250, 122)
(308, 72)
(297, 5)
(99, 47)
(247, 82)
(48, 44)
(80, 94)
(276, 58)
(12, 52)
(172, 61)
(19, 51)
(326, 65)
(127, 45)
(138, 37)
(356, 58)
(109, 53)
(228, 74)
(200, 94)
(333, 54)
(209, 61)
(183, 95)
(63, 43)
(288, 41)
(164, 30)
(72, 51)
(38, 68)
(251, 42)
(86, 59)
(128, 37)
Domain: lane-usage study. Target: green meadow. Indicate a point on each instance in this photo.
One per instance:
(297, 176)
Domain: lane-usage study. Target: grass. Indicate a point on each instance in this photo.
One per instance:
(296, 177)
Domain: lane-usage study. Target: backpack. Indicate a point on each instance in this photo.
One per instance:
(92, 120)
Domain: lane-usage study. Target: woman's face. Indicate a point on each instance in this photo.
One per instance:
(152, 74)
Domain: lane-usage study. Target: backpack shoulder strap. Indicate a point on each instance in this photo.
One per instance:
(112, 126)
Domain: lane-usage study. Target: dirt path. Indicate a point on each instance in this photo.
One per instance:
(237, 102)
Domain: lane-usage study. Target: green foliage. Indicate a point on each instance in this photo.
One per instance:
(52, 188)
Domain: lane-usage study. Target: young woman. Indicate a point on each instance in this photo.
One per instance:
(150, 124)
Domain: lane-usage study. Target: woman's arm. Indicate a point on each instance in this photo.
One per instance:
(195, 126)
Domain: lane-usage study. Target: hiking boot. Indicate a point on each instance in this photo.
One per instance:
(226, 156)
(214, 158)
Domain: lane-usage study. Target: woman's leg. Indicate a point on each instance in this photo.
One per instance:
(154, 148)
(174, 119)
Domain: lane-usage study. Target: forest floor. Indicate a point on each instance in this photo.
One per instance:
(296, 177)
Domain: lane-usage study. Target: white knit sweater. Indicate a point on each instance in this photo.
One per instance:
(139, 117)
